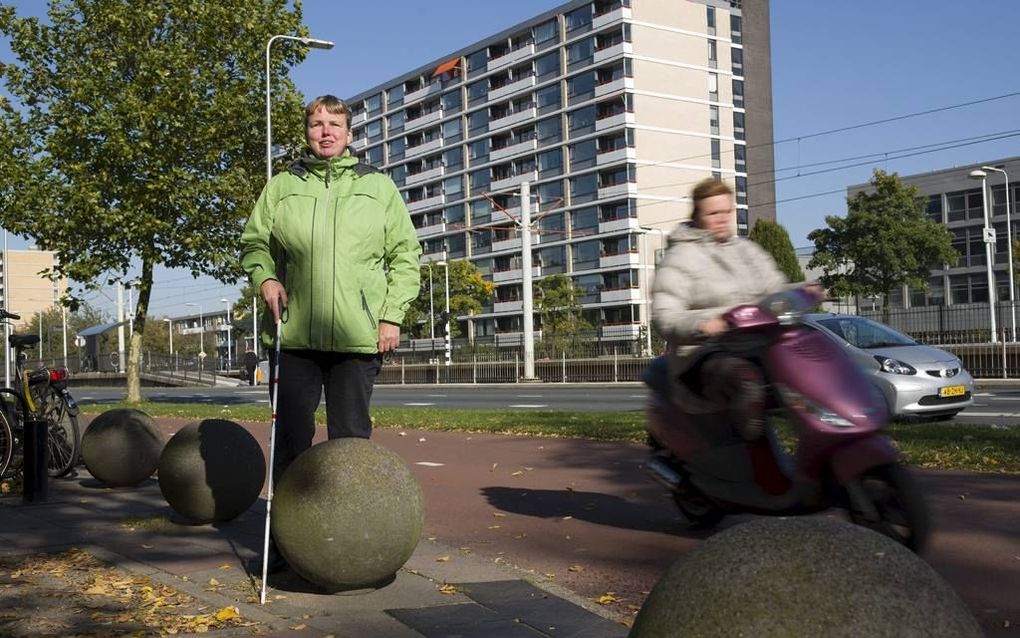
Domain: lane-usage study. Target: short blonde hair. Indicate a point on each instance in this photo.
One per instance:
(709, 187)
(332, 104)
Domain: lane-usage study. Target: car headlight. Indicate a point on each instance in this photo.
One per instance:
(892, 366)
(798, 401)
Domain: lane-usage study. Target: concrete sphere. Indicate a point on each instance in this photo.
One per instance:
(211, 471)
(121, 447)
(347, 514)
(802, 577)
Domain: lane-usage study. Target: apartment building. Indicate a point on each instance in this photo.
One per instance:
(612, 110)
(954, 198)
(23, 290)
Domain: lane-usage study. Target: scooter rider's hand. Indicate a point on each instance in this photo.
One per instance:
(815, 289)
(275, 296)
(713, 327)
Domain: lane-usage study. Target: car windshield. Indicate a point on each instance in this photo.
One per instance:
(865, 333)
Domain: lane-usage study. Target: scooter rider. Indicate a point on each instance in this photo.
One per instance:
(706, 271)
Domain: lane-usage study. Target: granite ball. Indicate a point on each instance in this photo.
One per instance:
(347, 514)
(211, 471)
(121, 447)
(802, 577)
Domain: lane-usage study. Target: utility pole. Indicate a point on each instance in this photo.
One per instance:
(120, 327)
(255, 325)
(528, 301)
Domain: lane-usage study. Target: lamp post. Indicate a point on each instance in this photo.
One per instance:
(432, 315)
(646, 283)
(309, 42)
(229, 358)
(1009, 251)
(448, 345)
(170, 331)
(989, 236)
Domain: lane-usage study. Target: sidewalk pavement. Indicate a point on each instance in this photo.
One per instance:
(134, 530)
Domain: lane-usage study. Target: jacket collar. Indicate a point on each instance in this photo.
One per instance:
(309, 163)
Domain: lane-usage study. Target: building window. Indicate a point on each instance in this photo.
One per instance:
(550, 193)
(548, 99)
(582, 155)
(737, 59)
(738, 93)
(550, 163)
(395, 95)
(578, 18)
(738, 125)
(933, 208)
(547, 66)
(550, 131)
(582, 120)
(453, 159)
(713, 87)
(452, 130)
(713, 120)
(710, 19)
(584, 188)
(735, 26)
(741, 183)
(478, 91)
(581, 88)
(478, 122)
(740, 158)
(373, 105)
(396, 122)
(477, 61)
(547, 31)
(580, 52)
(713, 54)
(451, 102)
(374, 155)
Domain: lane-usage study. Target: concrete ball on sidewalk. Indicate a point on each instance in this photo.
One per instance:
(121, 447)
(211, 471)
(802, 577)
(347, 514)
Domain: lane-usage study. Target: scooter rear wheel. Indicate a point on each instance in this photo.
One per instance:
(887, 499)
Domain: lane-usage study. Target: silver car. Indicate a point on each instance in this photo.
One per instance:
(917, 380)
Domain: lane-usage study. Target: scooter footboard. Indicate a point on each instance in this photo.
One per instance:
(851, 460)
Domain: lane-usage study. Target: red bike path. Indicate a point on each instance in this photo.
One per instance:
(581, 516)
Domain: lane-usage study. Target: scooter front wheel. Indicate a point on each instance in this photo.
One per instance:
(696, 507)
(887, 499)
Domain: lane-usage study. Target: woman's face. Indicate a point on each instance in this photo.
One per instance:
(328, 135)
(716, 214)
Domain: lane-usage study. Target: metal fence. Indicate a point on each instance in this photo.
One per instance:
(155, 367)
(508, 367)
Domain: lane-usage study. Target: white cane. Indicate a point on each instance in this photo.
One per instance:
(272, 456)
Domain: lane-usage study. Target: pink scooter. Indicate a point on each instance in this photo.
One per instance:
(841, 458)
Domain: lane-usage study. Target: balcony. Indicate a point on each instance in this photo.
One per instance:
(616, 225)
(620, 259)
(615, 86)
(611, 52)
(513, 338)
(616, 15)
(619, 155)
(621, 295)
(425, 176)
(621, 331)
(513, 119)
(514, 180)
(429, 89)
(427, 258)
(359, 144)
(513, 87)
(434, 229)
(506, 59)
(423, 120)
(618, 190)
(513, 243)
(514, 274)
(508, 306)
(428, 202)
(513, 149)
(426, 147)
(359, 118)
(613, 121)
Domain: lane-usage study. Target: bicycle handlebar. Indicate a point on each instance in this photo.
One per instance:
(8, 315)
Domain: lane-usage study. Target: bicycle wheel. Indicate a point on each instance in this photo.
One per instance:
(6, 444)
(63, 438)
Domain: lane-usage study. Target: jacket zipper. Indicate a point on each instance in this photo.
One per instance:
(368, 311)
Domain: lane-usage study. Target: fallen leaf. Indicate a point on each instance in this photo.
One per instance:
(299, 627)
(226, 566)
(146, 546)
(607, 598)
(493, 469)
(575, 568)
(447, 588)
(494, 526)
(442, 559)
(227, 613)
(499, 514)
(214, 582)
(517, 473)
(421, 440)
(567, 518)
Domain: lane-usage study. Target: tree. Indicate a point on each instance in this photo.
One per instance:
(470, 291)
(132, 135)
(558, 304)
(884, 242)
(776, 242)
(51, 343)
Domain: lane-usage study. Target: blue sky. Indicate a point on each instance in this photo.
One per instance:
(834, 64)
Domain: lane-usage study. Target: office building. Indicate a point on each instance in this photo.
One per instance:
(953, 198)
(611, 110)
(23, 290)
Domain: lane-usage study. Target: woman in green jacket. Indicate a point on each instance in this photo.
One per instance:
(331, 249)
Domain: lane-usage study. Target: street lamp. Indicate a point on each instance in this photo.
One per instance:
(989, 236)
(201, 330)
(649, 264)
(170, 331)
(432, 314)
(309, 42)
(1009, 251)
(229, 359)
(446, 265)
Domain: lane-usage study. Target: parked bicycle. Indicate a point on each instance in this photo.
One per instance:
(43, 395)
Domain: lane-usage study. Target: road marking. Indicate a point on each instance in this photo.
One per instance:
(969, 413)
(983, 394)
(528, 396)
(530, 405)
(436, 396)
(430, 464)
(1000, 398)
(638, 396)
(418, 404)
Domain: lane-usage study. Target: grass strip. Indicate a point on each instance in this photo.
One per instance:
(945, 446)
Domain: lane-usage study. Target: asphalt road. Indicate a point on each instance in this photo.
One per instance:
(995, 406)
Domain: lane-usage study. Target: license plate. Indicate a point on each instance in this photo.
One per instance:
(952, 391)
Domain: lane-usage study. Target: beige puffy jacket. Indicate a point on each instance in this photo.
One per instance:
(700, 278)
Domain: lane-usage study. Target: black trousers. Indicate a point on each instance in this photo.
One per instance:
(347, 379)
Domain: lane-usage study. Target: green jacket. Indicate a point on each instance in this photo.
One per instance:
(338, 237)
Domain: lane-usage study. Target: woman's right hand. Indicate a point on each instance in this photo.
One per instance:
(275, 296)
(713, 327)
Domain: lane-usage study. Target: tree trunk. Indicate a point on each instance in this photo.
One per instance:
(885, 308)
(134, 358)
